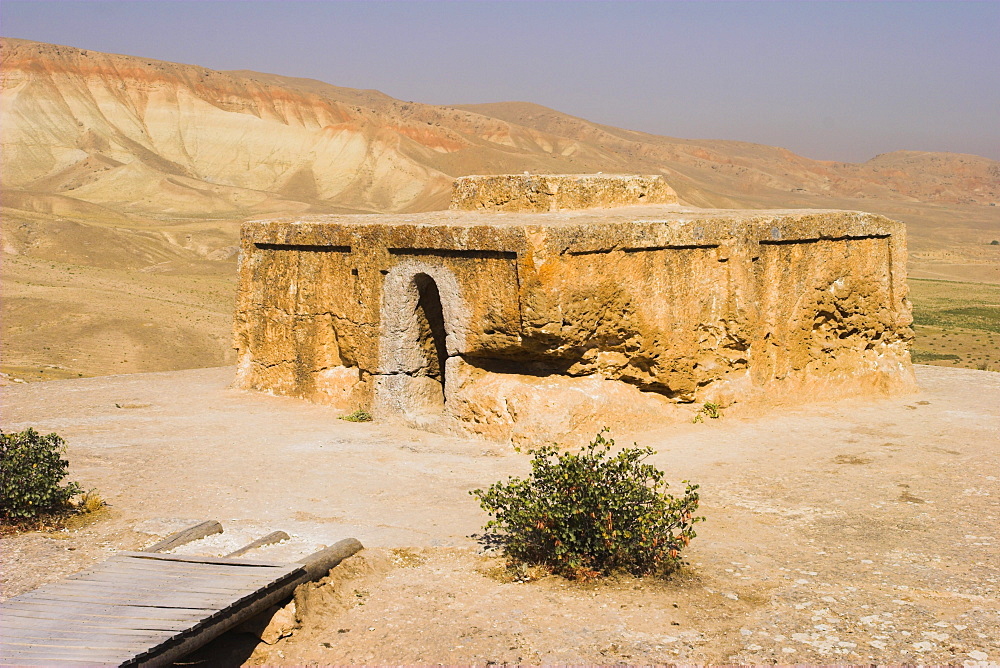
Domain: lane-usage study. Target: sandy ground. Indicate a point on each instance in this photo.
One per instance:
(856, 531)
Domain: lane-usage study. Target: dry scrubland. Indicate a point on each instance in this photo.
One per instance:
(956, 324)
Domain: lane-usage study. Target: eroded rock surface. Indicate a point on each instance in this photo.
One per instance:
(557, 192)
(519, 326)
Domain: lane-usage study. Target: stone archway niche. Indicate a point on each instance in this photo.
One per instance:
(420, 332)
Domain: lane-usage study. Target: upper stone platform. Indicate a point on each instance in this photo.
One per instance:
(626, 227)
(557, 192)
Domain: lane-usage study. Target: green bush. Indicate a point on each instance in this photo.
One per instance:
(587, 514)
(31, 470)
(711, 409)
(360, 415)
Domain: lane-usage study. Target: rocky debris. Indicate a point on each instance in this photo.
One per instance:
(272, 625)
(7, 379)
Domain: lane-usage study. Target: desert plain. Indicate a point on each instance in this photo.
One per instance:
(858, 531)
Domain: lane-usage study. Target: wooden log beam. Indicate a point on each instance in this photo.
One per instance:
(269, 539)
(318, 564)
(188, 535)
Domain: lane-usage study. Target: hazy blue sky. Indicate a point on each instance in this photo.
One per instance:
(840, 81)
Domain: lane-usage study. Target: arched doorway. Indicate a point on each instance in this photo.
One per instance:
(420, 329)
(431, 340)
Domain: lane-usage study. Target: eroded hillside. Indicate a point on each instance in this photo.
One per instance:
(165, 140)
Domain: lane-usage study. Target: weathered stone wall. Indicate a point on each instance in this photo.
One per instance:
(524, 326)
(557, 192)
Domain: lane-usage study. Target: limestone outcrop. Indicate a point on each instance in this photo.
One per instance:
(523, 326)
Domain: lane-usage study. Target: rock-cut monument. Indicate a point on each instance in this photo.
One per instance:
(542, 307)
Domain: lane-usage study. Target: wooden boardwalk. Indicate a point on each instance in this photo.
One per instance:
(139, 608)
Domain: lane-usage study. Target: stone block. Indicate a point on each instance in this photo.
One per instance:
(558, 192)
(521, 326)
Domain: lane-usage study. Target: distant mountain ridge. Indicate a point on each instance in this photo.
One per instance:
(95, 134)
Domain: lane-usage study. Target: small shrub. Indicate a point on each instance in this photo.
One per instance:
(91, 502)
(711, 409)
(360, 415)
(587, 514)
(922, 356)
(31, 472)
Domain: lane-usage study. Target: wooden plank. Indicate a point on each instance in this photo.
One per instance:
(68, 611)
(44, 618)
(59, 662)
(30, 621)
(96, 643)
(107, 654)
(125, 570)
(96, 623)
(195, 573)
(189, 562)
(188, 535)
(62, 663)
(68, 607)
(199, 585)
(29, 660)
(206, 585)
(178, 568)
(199, 559)
(194, 563)
(110, 625)
(130, 645)
(155, 593)
(135, 601)
(226, 581)
(97, 652)
(175, 567)
(82, 587)
(138, 586)
(142, 604)
(150, 600)
(43, 632)
(153, 597)
(156, 584)
(133, 618)
(15, 631)
(93, 656)
(124, 647)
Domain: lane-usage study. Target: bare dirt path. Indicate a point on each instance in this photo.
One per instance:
(857, 531)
